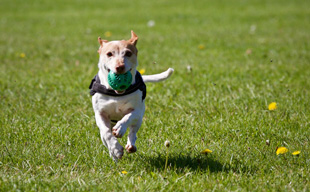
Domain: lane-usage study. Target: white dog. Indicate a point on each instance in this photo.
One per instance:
(117, 110)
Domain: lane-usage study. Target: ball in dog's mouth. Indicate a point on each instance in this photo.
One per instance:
(119, 82)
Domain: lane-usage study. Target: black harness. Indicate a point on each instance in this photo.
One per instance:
(96, 87)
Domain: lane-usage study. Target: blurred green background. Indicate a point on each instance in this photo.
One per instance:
(242, 54)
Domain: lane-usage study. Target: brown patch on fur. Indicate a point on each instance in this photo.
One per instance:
(134, 38)
(132, 48)
(131, 149)
(116, 48)
(129, 44)
(101, 42)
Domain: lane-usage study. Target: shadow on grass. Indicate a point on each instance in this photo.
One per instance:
(182, 162)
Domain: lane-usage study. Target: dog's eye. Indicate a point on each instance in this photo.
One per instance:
(109, 54)
(128, 54)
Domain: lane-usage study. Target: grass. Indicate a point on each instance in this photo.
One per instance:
(243, 54)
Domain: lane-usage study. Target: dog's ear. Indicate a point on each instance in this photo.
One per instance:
(134, 38)
(101, 41)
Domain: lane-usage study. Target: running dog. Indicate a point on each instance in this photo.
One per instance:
(117, 110)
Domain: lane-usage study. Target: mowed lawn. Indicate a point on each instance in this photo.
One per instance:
(231, 60)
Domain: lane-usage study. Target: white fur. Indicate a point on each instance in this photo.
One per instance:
(158, 77)
(109, 108)
(128, 110)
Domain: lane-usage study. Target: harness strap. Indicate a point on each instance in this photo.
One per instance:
(96, 87)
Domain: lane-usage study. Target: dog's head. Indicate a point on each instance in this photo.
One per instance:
(118, 56)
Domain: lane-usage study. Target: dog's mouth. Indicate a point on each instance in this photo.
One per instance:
(119, 92)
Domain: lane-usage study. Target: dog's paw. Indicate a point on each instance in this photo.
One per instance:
(119, 130)
(131, 148)
(117, 152)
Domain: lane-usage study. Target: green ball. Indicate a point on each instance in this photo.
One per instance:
(119, 82)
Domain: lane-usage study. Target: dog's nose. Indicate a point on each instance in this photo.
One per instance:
(120, 68)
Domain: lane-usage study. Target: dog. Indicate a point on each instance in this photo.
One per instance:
(117, 110)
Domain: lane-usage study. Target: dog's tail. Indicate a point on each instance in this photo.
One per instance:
(158, 77)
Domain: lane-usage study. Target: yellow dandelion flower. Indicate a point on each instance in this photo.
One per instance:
(22, 55)
(108, 34)
(139, 178)
(272, 106)
(124, 172)
(206, 151)
(201, 47)
(282, 150)
(142, 71)
(296, 153)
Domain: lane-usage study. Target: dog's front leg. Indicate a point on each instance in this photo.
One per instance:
(115, 149)
(132, 136)
(133, 120)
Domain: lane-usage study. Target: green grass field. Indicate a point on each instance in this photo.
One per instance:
(243, 55)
